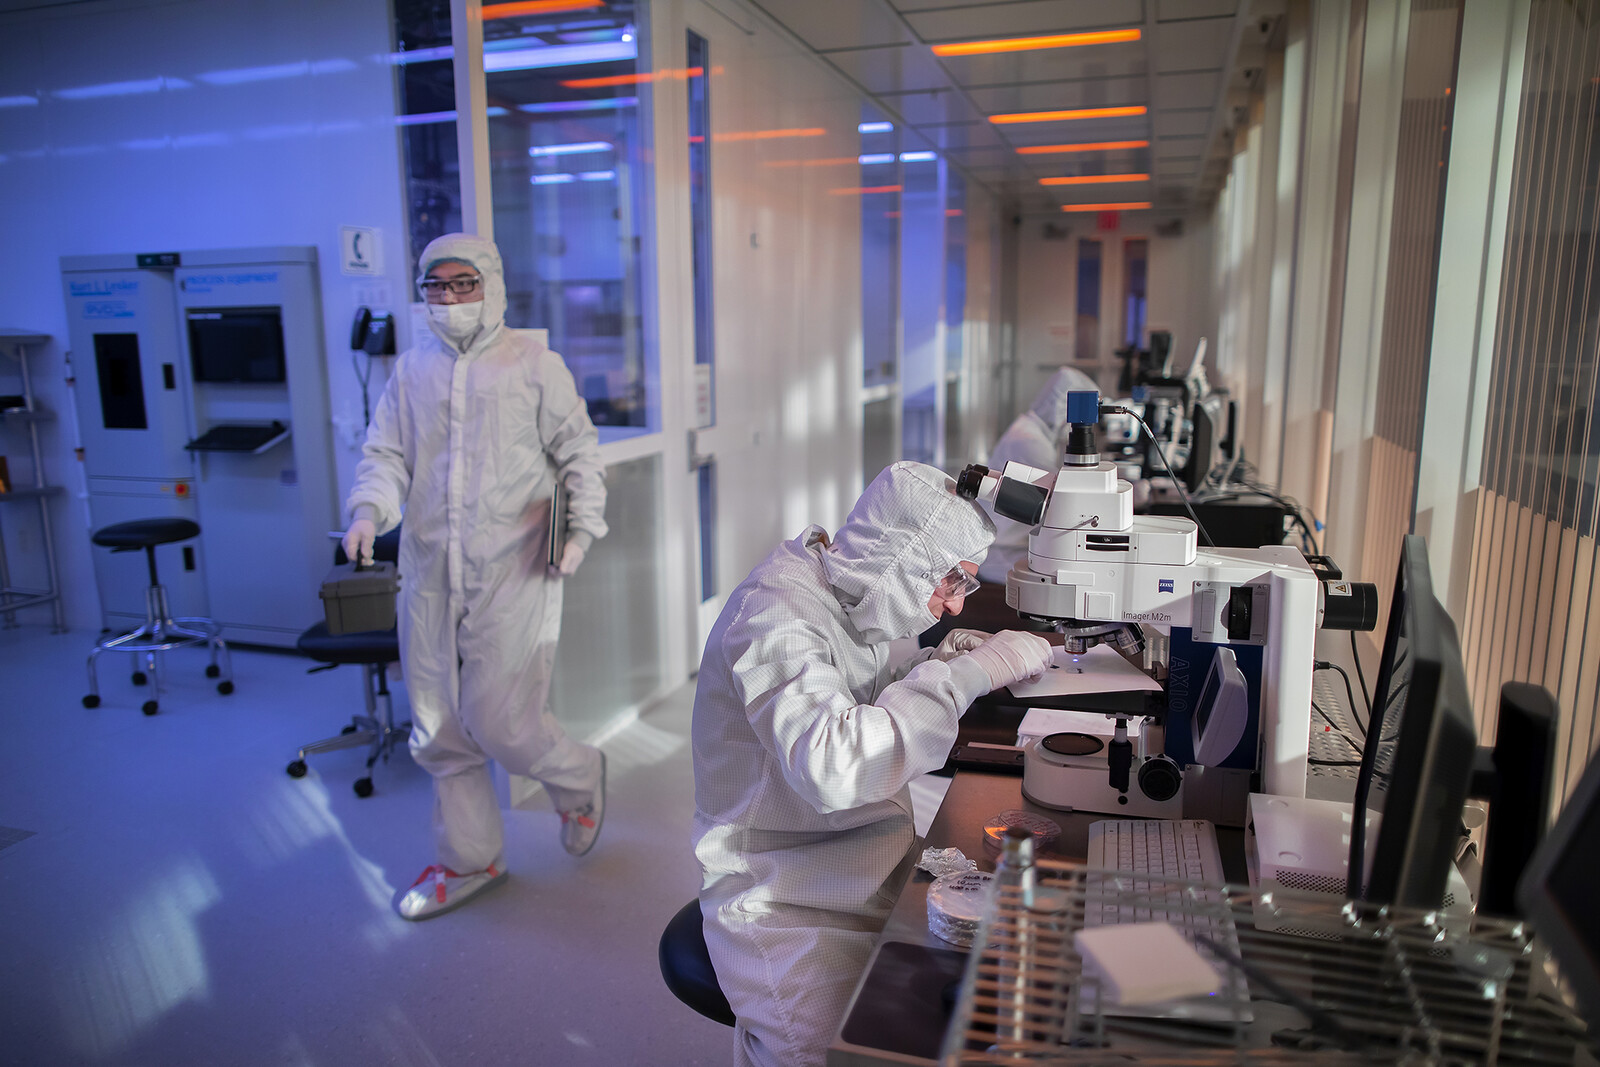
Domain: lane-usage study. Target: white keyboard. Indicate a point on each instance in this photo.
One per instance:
(1183, 849)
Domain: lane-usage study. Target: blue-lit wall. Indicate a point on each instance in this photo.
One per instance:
(190, 125)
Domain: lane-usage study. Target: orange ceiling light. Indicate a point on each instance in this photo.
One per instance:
(1143, 205)
(1086, 146)
(1029, 44)
(538, 7)
(767, 135)
(1068, 116)
(636, 79)
(1095, 179)
(865, 190)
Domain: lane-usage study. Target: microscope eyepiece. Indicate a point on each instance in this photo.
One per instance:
(970, 481)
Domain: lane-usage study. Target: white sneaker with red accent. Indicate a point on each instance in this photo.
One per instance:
(581, 825)
(439, 889)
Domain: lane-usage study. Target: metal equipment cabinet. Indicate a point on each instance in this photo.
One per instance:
(22, 421)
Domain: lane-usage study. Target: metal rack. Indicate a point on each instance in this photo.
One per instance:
(1353, 983)
(15, 344)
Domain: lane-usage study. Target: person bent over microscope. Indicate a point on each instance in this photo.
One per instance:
(806, 736)
(476, 427)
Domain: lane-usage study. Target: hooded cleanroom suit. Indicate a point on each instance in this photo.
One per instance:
(1034, 438)
(468, 444)
(804, 742)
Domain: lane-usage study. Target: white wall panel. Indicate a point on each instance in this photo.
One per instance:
(260, 131)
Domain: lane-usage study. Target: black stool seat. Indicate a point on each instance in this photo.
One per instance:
(686, 965)
(367, 646)
(144, 533)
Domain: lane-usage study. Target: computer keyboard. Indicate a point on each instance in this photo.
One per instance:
(1183, 849)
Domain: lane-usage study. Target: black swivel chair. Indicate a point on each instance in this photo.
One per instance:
(160, 631)
(686, 965)
(374, 650)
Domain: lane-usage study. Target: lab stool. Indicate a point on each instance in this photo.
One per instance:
(160, 631)
(374, 650)
(686, 965)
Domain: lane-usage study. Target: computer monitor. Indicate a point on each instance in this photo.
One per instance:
(1417, 764)
(1556, 892)
(1205, 434)
(1521, 769)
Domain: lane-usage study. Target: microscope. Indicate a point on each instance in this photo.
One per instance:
(1101, 575)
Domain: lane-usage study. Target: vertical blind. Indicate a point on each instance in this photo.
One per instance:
(1531, 614)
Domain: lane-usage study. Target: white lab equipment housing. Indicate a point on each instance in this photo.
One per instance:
(201, 391)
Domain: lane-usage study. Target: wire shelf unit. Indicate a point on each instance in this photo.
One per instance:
(1312, 979)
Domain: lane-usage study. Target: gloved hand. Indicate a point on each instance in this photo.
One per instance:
(959, 642)
(571, 556)
(359, 539)
(1012, 656)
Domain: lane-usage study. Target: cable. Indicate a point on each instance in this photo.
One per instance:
(1333, 762)
(363, 377)
(1182, 493)
(1324, 665)
(1355, 653)
(1335, 726)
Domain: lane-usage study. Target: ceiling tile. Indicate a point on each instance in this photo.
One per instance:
(891, 70)
(933, 109)
(1187, 90)
(1201, 45)
(1057, 96)
(1174, 123)
(968, 141)
(1050, 64)
(1170, 10)
(825, 24)
(1024, 17)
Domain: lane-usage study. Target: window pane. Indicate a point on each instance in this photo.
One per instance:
(880, 250)
(1087, 348)
(571, 194)
(706, 477)
(1135, 266)
(705, 335)
(427, 118)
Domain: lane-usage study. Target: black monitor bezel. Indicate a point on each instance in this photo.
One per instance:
(1413, 595)
(280, 355)
(1541, 907)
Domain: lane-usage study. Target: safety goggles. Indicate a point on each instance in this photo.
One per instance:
(458, 286)
(958, 583)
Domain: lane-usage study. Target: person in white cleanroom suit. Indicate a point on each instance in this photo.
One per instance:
(1035, 438)
(805, 737)
(477, 424)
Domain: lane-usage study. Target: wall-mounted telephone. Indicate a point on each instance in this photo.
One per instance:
(372, 332)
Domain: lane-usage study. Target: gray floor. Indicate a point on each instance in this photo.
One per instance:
(169, 896)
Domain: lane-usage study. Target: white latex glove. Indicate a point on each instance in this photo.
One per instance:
(358, 540)
(959, 642)
(571, 556)
(1012, 656)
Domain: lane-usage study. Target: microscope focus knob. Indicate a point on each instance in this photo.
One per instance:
(1160, 778)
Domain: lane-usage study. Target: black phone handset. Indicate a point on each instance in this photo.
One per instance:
(359, 328)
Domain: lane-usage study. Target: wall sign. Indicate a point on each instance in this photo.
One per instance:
(360, 250)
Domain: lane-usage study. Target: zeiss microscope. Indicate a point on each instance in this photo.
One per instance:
(1098, 572)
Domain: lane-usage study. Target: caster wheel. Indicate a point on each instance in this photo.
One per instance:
(151, 707)
(139, 678)
(363, 787)
(91, 701)
(213, 671)
(296, 769)
(224, 688)
(349, 729)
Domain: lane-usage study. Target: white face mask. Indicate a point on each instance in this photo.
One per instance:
(456, 322)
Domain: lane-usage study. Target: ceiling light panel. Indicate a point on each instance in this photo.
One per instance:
(1024, 18)
(1041, 42)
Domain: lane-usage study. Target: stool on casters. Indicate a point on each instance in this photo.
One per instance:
(686, 965)
(374, 650)
(160, 631)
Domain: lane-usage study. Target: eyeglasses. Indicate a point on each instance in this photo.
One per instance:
(958, 583)
(458, 286)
